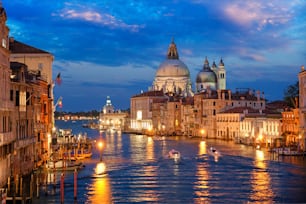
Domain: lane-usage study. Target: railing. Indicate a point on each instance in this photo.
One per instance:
(25, 142)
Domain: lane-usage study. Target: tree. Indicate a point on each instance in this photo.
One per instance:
(291, 94)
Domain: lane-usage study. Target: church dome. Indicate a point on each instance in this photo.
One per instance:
(172, 68)
(206, 75)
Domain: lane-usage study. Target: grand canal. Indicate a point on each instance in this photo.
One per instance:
(138, 171)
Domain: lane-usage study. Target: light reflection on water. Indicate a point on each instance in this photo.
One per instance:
(201, 185)
(138, 171)
(260, 180)
(100, 191)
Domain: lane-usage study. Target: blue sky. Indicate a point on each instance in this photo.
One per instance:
(113, 48)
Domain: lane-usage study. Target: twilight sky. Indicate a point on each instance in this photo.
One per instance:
(113, 47)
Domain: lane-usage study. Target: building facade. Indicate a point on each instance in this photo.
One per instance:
(302, 108)
(111, 119)
(38, 63)
(7, 138)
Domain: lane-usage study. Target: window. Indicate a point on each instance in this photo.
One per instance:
(139, 115)
(17, 98)
(11, 95)
(4, 43)
(28, 99)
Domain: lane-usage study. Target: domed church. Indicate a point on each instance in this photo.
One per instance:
(173, 76)
(212, 78)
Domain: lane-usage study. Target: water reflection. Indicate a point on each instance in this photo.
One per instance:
(260, 180)
(202, 147)
(201, 186)
(137, 143)
(150, 149)
(100, 190)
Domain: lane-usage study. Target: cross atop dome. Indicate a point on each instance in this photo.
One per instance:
(172, 51)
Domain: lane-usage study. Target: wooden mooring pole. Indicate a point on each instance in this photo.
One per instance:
(62, 189)
(75, 184)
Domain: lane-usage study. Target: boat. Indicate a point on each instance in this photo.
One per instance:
(175, 155)
(213, 151)
(286, 151)
(158, 138)
(81, 156)
(64, 165)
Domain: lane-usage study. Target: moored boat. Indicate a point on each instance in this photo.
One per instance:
(286, 151)
(65, 165)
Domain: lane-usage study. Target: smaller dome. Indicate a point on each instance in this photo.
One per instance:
(206, 76)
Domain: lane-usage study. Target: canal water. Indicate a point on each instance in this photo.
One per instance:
(139, 171)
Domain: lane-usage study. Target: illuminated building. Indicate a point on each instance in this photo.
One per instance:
(141, 110)
(209, 103)
(171, 108)
(111, 119)
(302, 108)
(38, 65)
(249, 126)
(7, 138)
(290, 127)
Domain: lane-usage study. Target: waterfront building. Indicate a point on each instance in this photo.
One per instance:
(291, 127)
(302, 108)
(29, 93)
(250, 126)
(209, 103)
(7, 138)
(23, 124)
(163, 101)
(141, 107)
(111, 119)
(39, 63)
(189, 115)
(173, 109)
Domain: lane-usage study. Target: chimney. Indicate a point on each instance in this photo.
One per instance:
(11, 39)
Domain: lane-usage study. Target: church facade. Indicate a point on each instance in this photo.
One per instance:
(160, 109)
(172, 107)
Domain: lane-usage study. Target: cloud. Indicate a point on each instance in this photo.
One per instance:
(99, 18)
(259, 13)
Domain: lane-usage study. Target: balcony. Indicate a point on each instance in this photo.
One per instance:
(24, 142)
(6, 138)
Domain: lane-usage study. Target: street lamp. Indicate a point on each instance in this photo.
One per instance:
(100, 146)
(202, 131)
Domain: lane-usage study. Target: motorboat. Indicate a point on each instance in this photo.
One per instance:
(213, 151)
(175, 155)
